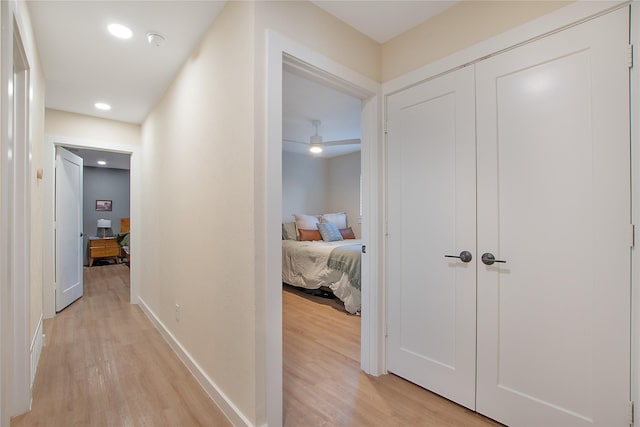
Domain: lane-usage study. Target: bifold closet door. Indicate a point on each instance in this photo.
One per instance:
(431, 213)
(554, 203)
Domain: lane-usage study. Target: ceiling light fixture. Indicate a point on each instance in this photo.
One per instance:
(101, 162)
(316, 140)
(102, 106)
(120, 31)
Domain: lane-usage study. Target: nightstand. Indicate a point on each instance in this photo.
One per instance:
(103, 247)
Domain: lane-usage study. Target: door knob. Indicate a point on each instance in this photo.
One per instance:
(465, 256)
(489, 259)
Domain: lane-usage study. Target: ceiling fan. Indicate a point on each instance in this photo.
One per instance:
(316, 145)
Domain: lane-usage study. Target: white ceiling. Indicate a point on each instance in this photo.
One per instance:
(304, 101)
(91, 157)
(382, 20)
(83, 64)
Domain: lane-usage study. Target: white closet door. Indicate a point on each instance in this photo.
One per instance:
(431, 213)
(553, 202)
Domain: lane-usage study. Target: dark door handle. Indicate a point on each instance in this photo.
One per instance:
(489, 259)
(465, 256)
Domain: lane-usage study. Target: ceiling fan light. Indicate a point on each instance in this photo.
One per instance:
(316, 140)
(315, 149)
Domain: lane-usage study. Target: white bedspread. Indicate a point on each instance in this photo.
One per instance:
(304, 264)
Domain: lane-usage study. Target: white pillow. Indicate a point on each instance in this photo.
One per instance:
(339, 219)
(306, 222)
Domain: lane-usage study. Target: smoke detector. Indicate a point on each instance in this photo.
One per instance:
(155, 39)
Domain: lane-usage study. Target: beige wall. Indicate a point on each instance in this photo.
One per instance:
(458, 27)
(313, 27)
(72, 125)
(197, 205)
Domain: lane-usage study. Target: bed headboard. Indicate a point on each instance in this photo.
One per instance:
(124, 225)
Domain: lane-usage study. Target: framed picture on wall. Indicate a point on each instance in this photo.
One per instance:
(103, 205)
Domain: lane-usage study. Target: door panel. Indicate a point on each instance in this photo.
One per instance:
(554, 202)
(68, 228)
(431, 189)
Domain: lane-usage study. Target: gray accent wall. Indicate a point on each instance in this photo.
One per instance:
(104, 184)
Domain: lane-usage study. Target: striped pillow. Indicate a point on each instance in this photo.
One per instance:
(329, 232)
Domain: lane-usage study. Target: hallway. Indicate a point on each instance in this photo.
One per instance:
(104, 364)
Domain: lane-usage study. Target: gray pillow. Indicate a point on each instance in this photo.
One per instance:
(329, 232)
(289, 231)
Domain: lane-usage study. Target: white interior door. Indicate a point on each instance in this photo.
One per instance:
(554, 203)
(431, 213)
(68, 228)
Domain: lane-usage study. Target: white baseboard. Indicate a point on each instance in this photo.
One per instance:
(37, 342)
(232, 412)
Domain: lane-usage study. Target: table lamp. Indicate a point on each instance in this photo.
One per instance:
(104, 224)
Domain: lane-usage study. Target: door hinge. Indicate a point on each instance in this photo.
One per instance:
(364, 249)
(630, 56)
(633, 236)
(630, 413)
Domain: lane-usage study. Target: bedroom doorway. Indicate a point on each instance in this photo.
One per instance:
(117, 188)
(282, 51)
(325, 184)
(341, 197)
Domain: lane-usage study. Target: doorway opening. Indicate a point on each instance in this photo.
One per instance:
(314, 66)
(119, 156)
(321, 302)
(107, 197)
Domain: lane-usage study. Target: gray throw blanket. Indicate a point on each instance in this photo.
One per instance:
(347, 260)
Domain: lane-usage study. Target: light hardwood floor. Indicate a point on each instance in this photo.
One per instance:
(323, 384)
(105, 364)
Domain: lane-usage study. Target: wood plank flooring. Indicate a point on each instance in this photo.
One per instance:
(104, 364)
(323, 384)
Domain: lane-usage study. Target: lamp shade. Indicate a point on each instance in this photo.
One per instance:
(104, 223)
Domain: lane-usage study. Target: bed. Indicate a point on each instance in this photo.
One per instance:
(314, 264)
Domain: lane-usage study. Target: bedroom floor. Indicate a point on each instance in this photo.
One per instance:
(104, 364)
(323, 384)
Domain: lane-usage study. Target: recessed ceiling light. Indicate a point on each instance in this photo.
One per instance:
(102, 106)
(101, 162)
(120, 31)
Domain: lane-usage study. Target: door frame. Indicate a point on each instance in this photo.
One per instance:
(282, 51)
(15, 218)
(51, 141)
(570, 15)
(635, 216)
